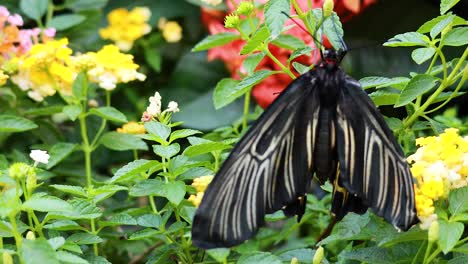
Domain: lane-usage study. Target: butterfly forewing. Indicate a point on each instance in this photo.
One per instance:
(372, 164)
(268, 169)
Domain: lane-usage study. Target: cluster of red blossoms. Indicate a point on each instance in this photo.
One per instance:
(266, 91)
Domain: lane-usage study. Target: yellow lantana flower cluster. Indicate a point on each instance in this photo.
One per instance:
(132, 127)
(126, 26)
(200, 185)
(171, 30)
(45, 69)
(3, 78)
(439, 165)
(112, 67)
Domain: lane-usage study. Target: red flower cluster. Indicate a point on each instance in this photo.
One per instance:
(266, 91)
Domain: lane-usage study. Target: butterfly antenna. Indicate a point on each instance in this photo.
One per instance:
(317, 43)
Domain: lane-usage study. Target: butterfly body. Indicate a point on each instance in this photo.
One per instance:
(322, 124)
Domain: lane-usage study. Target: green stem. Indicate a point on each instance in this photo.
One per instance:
(93, 230)
(417, 253)
(103, 125)
(408, 122)
(275, 60)
(246, 109)
(16, 235)
(153, 205)
(86, 149)
(434, 59)
(428, 250)
(443, 61)
(452, 95)
(433, 255)
(50, 12)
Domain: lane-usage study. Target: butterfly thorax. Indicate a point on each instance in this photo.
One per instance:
(330, 77)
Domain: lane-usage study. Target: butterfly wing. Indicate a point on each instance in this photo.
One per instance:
(268, 169)
(372, 164)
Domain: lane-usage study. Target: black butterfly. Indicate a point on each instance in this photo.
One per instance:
(322, 123)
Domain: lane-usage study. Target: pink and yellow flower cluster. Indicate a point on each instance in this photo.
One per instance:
(439, 165)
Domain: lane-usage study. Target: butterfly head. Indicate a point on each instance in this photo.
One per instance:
(331, 56)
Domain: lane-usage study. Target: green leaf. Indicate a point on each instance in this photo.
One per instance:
(445, 5)
(11, 123)
(458, 201)
(118, 220)
(72, 111)
(38, 251)
(373, 81)
(224, 92)
(150, 220)
(175, 192)
(144, 234)
(259, 258)
(456, 37)
(204, 148)
(462, 249)
(66, 257)
(46, 204)
(62, 22)
(56, 242)
(79, 5)
(59, 152)
(421, 55)
(132, 168)
(44, 111)
(441, 25)
(256, 40)
(333, 29)
(84, 238)
(109, 113)
(408, 39)
(160, 131)
(385, 96)
(369, 255)
(219, 254)
(84, 210)
(427, 26)
(147, 187)
(153, 57)
(63, 225)
(120, 142)
(252, 80)
(251, 62)
(166, 151)
(183, 133)
(93, 259)
(34, 9)
(106, 191)
(76, 190)
(304, 255)
(460, 259)
(414, 234)
(215, 40)
(299, 52)
(393, 123)
(274, 17)
(419, 85)
(289, 42)
(449, 234)
(301, 68)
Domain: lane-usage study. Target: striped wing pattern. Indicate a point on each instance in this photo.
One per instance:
(267, 170)
(372, 164)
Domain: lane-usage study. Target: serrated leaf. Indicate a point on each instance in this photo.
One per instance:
(109, 113)
(421, 55)
(10, 123)
(59, 152)
(215, 41)
(369, 254)
(121, 142)
(175, 192)
(395, 82)
(445, 5)
(132, 168)
(304, 255)
(84, 209)
(373, 81)
(289, 42)
(62, 22)
(259, 258)
(449, 234)
(76, 190)
(34, 9)
(72, 111)
(144, 234)
(150, 220)
(427, 26)
(256, 40)
(63, 225)
(204, 148)
(419, 85)
(219, 254)
(44, 111)
(275, 17)
(56, 242)
(159, 130)
(66, 257)
(441, 25)
(118, 220)
(38, 251)
(300, 67)
(408, 39)
(46, 204)
(183, 133)
(223, 93)
(333, 29)
(384, 96)
(147, 187)
(299, 52)
(80, 86)
(252, 61)
(456, 37)
(458, 201)
(84, 238)
(166, 151)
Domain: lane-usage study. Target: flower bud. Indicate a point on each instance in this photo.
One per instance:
(294, 261)
(433, 233)
(231, 21)
(328, 8)
(245, 8)
(318, 257)
(7, 258)
(19, 170)
(31, 182)
(30, 235)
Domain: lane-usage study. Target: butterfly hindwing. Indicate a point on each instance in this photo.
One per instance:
(372, 164)
(268, 169)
